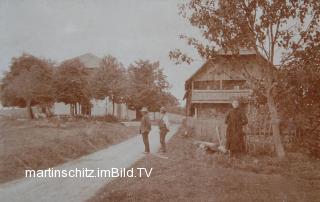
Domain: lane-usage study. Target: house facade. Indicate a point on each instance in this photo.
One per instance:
(211, 89)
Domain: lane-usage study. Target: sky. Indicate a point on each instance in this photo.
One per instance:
(127, 29)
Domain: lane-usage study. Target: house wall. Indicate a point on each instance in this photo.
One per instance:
(225, 69)
(59, 108)
(99, 108)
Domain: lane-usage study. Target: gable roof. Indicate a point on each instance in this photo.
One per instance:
(90, 60)
(242, 51)
(222, 53)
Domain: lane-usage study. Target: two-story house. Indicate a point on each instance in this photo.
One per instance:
(211, 89)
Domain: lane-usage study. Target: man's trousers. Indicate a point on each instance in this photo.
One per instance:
(146, 141)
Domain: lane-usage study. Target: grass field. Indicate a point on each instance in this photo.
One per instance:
(191, 175)
(45, 143)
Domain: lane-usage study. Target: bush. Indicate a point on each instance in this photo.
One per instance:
(107, 118)
(111, 118)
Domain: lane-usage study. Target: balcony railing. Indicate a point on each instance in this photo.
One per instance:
(217, 96)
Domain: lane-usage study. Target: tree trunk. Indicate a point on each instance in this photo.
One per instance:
(138, 114)
(70, 108)
(106, 106)
(75, 109)
(29, 110)
(112, 107)
(48, 111)
(43, 109)
(275, 122)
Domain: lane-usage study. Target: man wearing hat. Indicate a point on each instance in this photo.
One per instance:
(163, 127)
(145, 128)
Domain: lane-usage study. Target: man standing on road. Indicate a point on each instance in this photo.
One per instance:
(164, 128)
(145, 128)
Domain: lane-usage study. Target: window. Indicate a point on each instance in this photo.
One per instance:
(233, 84)
(207, 85)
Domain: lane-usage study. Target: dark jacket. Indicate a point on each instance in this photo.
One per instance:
(145, 124)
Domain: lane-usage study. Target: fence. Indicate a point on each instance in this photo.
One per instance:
(206, 128)
(258, 139)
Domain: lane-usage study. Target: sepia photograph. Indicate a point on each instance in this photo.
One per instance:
(159, 100)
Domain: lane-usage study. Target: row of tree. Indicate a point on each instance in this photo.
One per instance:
(33, 81)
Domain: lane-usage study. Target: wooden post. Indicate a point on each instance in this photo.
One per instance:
(221, 84)
(75, 109)
(196, 112)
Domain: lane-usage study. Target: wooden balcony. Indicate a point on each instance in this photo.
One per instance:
(217, 96)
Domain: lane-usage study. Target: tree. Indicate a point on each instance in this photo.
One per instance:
(28, 82)
(147, 85)
(72, 84)
(266, 26)
(169, 100)
(299, 96)
(110, 81)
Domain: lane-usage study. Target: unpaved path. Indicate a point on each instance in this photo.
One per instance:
(80, 189)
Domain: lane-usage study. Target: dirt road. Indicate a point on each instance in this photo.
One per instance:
(80, 189)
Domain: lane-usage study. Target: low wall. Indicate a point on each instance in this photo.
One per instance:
(19, 113)
(13, 112)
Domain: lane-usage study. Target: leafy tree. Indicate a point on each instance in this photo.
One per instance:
(147, 85)
(28, 82)
(110, 80)
(168, 100)
(299, 94)
(72, 84)
(267, 26)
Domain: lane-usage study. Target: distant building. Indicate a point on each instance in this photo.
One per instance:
(98, 107)
(210, 90)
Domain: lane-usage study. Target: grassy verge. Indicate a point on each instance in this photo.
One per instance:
(45, 143)
(191, 175)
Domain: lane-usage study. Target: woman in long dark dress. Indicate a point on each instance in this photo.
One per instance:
(235, 121)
